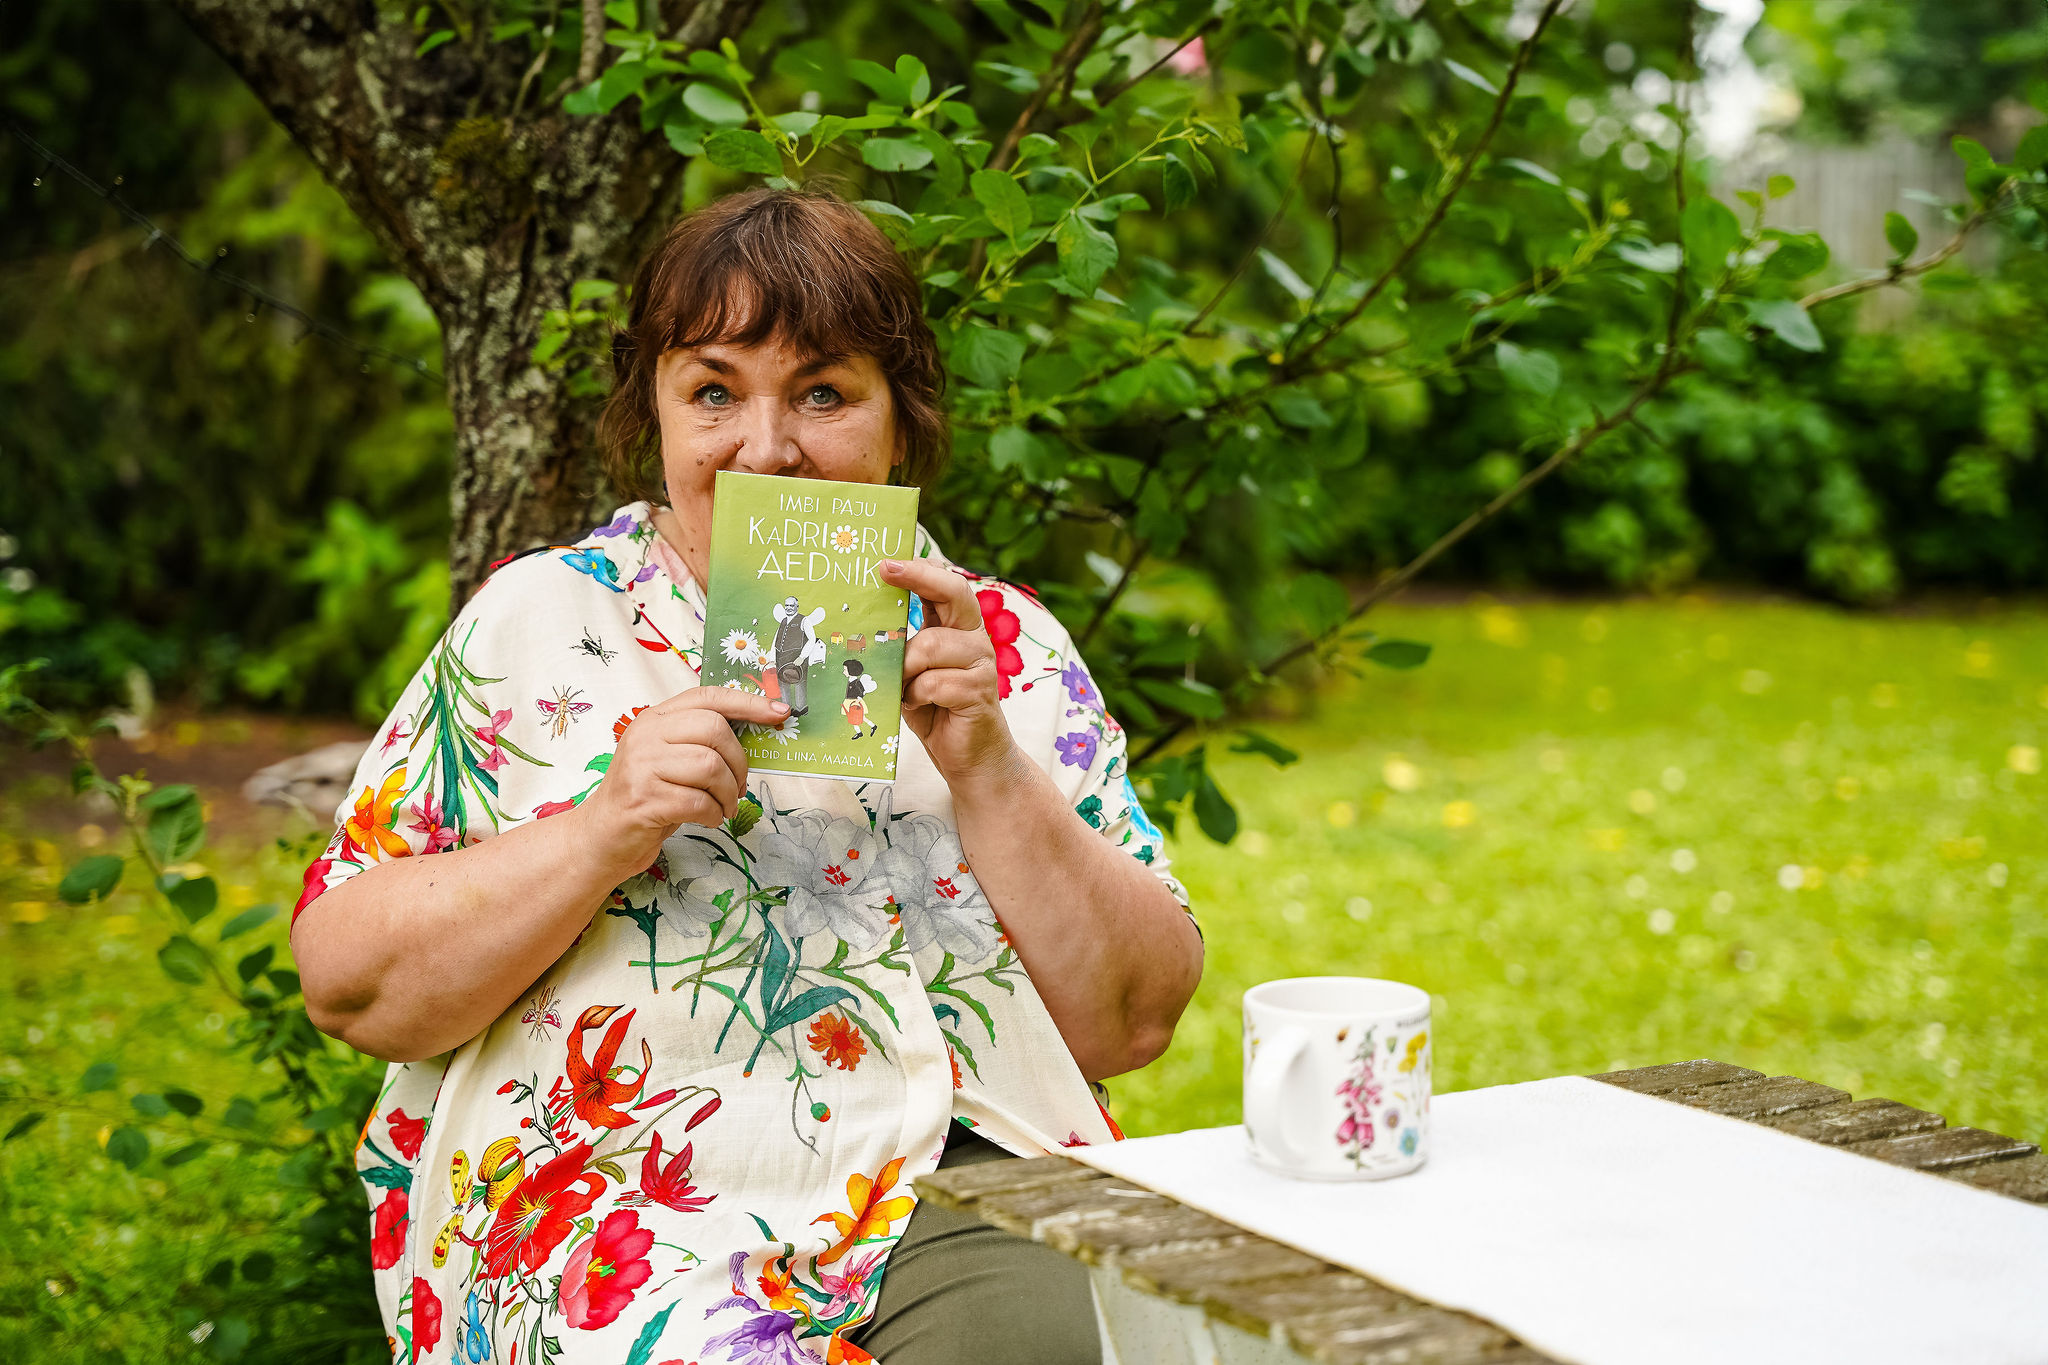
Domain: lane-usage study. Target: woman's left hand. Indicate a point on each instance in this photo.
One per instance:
(951, 689)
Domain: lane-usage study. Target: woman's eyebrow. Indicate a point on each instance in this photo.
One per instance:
(811, 366)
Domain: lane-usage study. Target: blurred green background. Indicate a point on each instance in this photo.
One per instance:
(1730, 745)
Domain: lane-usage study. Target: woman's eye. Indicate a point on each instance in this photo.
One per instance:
(822, 396)
(714, 395)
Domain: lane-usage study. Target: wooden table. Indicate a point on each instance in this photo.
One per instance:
(1178, 1287)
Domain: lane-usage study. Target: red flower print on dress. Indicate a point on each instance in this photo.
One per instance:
(489, 735)
(315, 884)
(407, 1134)
(626, 719)
(1003, 629)
(540, 1212)
(835, 1037)
(667, 1185)
(600, 1276)
(426, 1318)
(387, 1233)
(594, 1084)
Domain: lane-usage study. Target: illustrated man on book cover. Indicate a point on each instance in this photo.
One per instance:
(797, 648)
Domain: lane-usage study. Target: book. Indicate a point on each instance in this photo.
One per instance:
(795, 611)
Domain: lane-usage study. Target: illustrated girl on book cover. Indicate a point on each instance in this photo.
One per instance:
(855, 707)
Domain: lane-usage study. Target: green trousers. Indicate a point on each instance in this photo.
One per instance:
(956, 1290)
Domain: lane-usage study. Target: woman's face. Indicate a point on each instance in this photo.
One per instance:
(767, 409)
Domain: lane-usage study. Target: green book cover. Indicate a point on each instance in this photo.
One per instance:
(795, 611)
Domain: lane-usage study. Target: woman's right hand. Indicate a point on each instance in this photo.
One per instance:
(677, 763)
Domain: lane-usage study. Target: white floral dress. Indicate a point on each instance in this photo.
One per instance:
(693, 1140)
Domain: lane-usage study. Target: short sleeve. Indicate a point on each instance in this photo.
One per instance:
(440, 771)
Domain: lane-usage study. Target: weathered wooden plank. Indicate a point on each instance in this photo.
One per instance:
(1406, 1333)
(1259, 1306)
(1946, 1150)
(1659, 1080)
(2022, 1177)
(1190, 1270)
(956, 1187)
(1098, 1237)
(1758, 1098)
(1854, 1121)
(1028, 1212)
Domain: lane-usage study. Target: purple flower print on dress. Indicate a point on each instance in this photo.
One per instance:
(623, 524)
(1080, 687)
(646, 572)
(1077, 750)
(765, 1339)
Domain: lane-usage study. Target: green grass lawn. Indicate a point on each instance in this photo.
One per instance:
(1600, 835)
(1613, 835)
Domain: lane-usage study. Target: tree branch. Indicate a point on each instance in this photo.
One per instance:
(1123, 87)
(593, 42)
(1466, 166)
(1905, 270)
(1059, 78)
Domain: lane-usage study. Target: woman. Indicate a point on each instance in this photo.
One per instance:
(631, 1113)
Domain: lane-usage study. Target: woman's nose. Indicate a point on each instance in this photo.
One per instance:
(768, 433)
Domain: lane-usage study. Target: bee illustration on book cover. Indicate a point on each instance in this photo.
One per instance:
(796, 612)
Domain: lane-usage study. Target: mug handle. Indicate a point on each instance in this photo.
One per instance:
(1263, 1093)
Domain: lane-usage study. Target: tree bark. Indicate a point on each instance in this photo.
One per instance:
(492, 215)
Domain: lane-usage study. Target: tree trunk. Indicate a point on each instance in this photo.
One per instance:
(493, 202)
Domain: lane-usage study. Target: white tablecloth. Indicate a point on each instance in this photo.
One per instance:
(1609, 1228)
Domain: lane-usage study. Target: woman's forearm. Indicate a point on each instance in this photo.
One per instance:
(1112, 954)
(415, 956)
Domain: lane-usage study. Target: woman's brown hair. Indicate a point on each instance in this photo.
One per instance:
(802, 265)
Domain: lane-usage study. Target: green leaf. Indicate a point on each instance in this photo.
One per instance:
(189, 1152)
(895, 154)
(249, 919)
(743, 149)
(1176, 184)
(1012, 447)
(1470, 77)
(1399, 653)
(98, 1076)
(1298, 408)
(1529, 370)
(1003, 200)
(1213, 811)
(649, 1338)
(255, 964)
(1796, 255)
(21, 1126)
(582, 103)
(619, 81)
(177, 827)
(185, 1102)
(433, 41)
(1787, 321)
(1902, 235)
(150, 1106)
(240, 1113)
(183, 960)
(590, 291)
(2032, 152)
(1185, 695)
(1321, 601)
(1086, 252)
(1710, 231)
(128, 1145)
(1778, 186)
(916, 81)
(986, 356)
(1252, 742)
(805, 1005)
(1975, 156)
(195, 897)
(1662, 257)
(92, 879)
(713, 105)
(258, 1266)
(1721, 351)
(889, 87)
(1284, 275)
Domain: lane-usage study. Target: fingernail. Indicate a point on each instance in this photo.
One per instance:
(780, 708)
(888, 566)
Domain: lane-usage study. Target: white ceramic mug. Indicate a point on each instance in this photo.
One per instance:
(1336, 1077)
